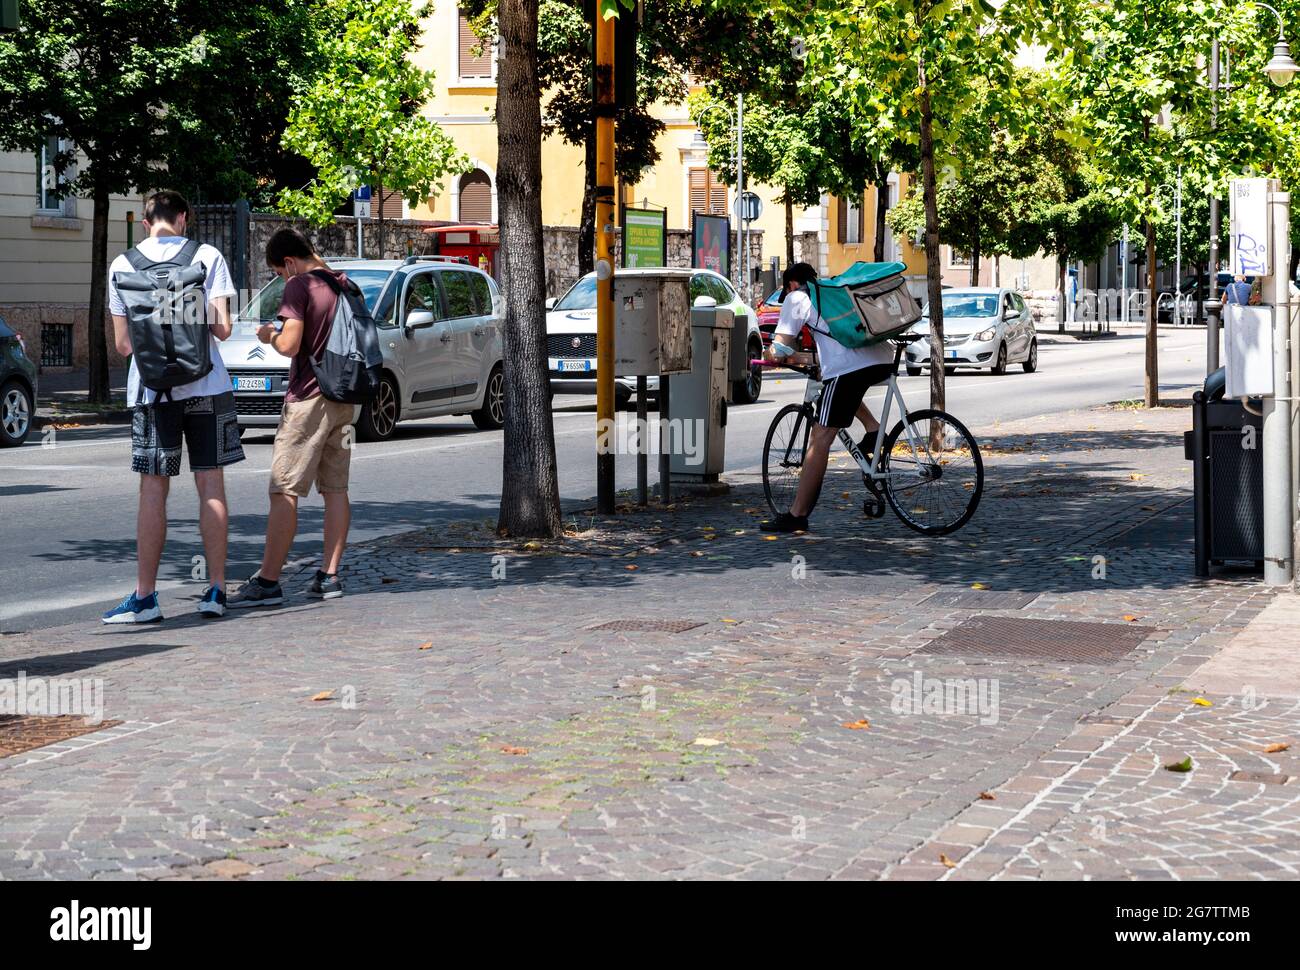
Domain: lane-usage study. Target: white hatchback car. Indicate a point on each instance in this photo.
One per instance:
(983, 327)
(440, 323)
(571, 335)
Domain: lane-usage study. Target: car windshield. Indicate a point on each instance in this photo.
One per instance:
(970, 305)
(774, 299)
(266, 304)
(581, 297)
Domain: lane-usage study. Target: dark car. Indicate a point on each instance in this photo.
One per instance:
(17, 388)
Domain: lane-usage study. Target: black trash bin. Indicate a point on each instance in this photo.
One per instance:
(1228, 477)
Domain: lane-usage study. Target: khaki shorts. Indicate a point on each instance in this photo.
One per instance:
(312, 445)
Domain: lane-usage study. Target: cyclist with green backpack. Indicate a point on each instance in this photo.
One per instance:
(846, 373)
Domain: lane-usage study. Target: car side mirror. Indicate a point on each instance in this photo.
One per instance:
(1010, 314)
(704, 302)
(550, 303)
(419, 319)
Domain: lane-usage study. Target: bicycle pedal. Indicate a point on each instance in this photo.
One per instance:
(873, 510)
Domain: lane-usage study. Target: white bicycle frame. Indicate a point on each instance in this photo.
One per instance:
(919, 447)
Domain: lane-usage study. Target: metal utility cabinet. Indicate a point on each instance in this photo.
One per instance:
(697, 403)
(1225, 447)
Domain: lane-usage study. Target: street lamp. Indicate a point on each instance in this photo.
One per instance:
(1280, 70)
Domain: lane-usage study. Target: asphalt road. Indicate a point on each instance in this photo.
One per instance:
(67, 512)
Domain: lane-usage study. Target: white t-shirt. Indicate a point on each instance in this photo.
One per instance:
(217, 285)
(835, 359)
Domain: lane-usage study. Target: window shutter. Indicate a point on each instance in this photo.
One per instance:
(842, 227)
(385, 204)
(475, 197)
(699, 187)
(471, 65)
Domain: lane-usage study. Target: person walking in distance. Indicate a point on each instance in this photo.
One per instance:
(313, 444)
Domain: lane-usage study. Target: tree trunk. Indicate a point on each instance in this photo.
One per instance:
(530, 491)
(975, 261)
(587, 224)
(934, 282)
(789, 232)
(1152, 385)
(96, 344)
(882, 209)
(1062, 265)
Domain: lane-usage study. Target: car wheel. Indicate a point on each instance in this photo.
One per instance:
(1000, 366)
(1031, 362)
(492, 415)
(748, 390)
(15, 414)
(913, 371)
(379, 416)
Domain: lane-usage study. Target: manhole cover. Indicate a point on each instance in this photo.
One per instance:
(1059, 640)
(979, 599)
(648, 626)
(23, 732)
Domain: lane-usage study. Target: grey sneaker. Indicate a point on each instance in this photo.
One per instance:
(325, 587)
(253, 593)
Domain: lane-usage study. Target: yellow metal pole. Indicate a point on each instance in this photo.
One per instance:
(605, 436)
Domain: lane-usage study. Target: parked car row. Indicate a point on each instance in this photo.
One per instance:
(17, 388)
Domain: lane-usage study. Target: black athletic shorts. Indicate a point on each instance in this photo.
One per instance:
(842, 395)
(208, 425)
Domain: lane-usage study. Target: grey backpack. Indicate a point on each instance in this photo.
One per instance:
(167, 316)
(348, 368)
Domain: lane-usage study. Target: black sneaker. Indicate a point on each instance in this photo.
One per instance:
(785, 522)
(255, 592)
(325, 587)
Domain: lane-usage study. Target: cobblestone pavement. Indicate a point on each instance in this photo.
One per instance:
(459, 714)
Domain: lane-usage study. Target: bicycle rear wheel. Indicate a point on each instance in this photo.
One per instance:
(934, 472)
(787, 442)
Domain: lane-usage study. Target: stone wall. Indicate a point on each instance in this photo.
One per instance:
(28, 319)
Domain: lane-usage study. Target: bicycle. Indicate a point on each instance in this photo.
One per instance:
(932, 478)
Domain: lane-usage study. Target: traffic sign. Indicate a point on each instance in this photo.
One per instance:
(751, 206)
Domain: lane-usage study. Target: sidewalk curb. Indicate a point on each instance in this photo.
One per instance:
(81, 417)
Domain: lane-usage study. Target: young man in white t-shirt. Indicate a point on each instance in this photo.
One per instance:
(201, 414)
(846, 374)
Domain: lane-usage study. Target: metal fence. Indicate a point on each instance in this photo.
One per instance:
(225, 226)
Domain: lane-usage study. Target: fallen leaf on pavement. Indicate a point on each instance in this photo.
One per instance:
(1276, 747)
(697, 554)
(1181, 766)
(727, 619)
(769, 538)
(861, 725)
(511, 749)
(706, 742)
(323, 695)
(631, 568)
(988, 796)
(1202, 702)
(533, 545)
(427, 645)
(978, 586)
(1136, 476)
(1129, 618)
(946, 861)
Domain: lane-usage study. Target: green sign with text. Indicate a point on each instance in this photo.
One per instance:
(645, 237)
(8, 14)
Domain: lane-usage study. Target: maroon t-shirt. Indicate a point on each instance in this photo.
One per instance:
(309, 298)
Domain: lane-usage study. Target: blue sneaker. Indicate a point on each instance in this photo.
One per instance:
(213, 602)
(133, 609)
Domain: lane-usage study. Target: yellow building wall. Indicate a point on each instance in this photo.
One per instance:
(840, 256)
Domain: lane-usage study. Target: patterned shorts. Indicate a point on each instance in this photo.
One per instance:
(208, 425)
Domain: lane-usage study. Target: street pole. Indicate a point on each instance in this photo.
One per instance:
(1123, 277)
(604, 84)
(1178, 248)
(1212, 305)
(1279, 499)
(742, 263)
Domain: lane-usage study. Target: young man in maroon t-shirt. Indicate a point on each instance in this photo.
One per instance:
(313, 442)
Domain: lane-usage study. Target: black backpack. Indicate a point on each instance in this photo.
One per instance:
(348, 369)
(167, 316)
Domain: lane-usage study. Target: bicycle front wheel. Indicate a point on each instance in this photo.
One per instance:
(934, 475)
(787, 442)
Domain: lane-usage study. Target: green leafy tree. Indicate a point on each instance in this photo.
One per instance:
(358, 121)
(103, 76)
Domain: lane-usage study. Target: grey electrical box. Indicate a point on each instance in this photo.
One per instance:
(697, 402)
(652, 324)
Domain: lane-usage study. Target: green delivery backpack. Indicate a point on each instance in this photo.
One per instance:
(865, 304)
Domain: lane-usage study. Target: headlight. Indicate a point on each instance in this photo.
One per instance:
(988, 334)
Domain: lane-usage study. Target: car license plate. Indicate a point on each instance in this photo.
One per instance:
(262, 384)
(952, 355)
(583, 365)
